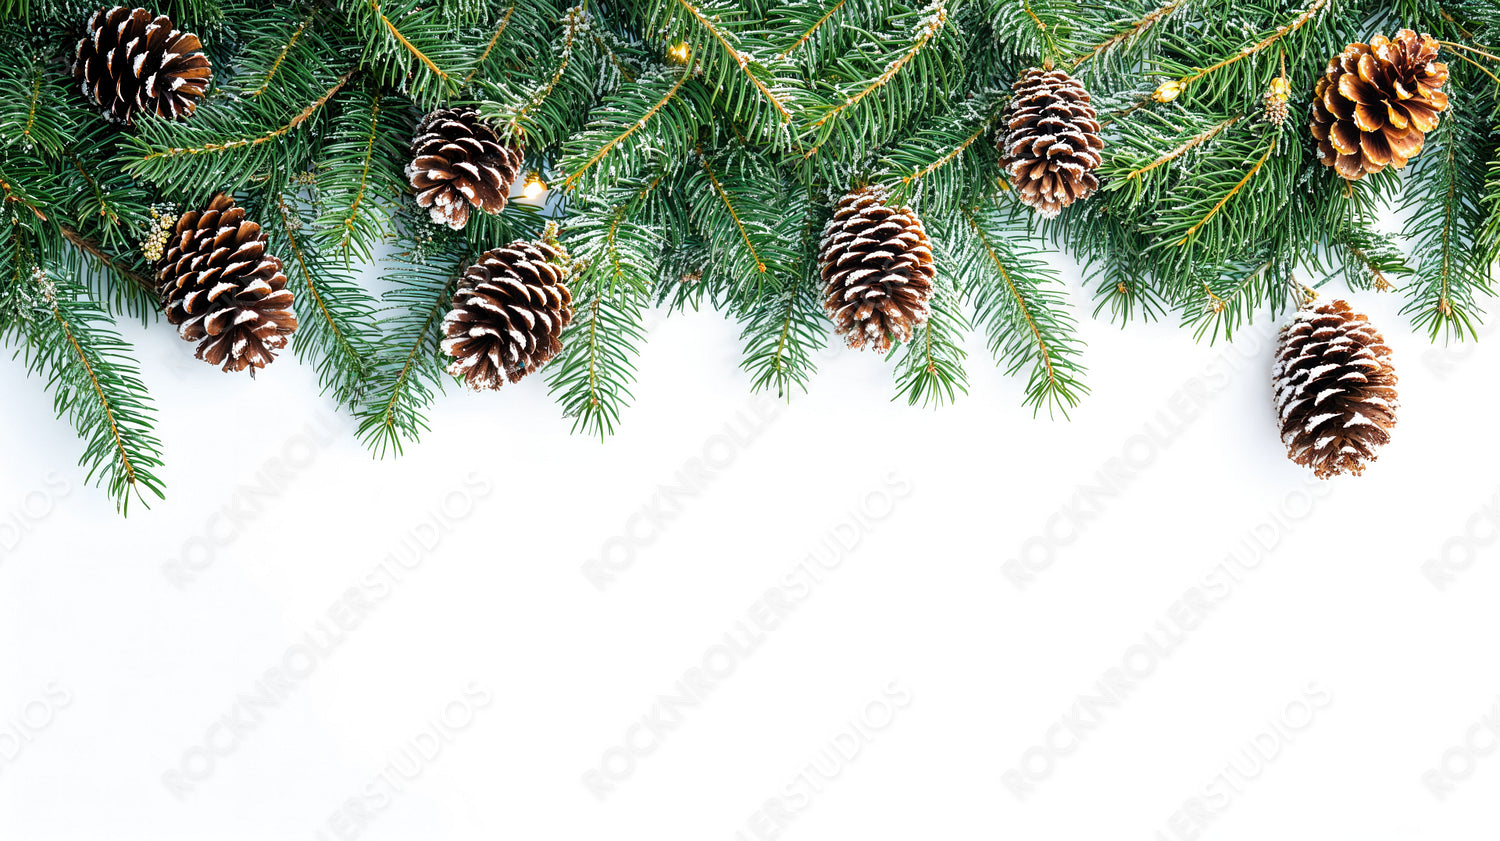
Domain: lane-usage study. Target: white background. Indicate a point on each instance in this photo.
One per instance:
(956, 580)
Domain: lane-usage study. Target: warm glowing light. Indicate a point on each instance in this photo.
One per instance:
(679, 52)
(534, 186)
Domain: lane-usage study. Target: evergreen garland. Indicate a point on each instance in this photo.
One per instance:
(694, 150)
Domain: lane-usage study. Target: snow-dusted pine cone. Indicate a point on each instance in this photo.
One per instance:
(877, 270)
(132, 61)
(222, 290)
(1335, 389)
(458, 162)
(1050, 142)
(1374, 103)
(508, 314)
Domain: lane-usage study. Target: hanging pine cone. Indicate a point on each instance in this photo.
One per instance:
(458, 161)
(222, 290)
(1051, 143)
(132, 61)
(877, 269)
(1373, 105)
(508, 314)
(1335, 389)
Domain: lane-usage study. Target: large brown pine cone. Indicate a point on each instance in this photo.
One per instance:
(1374, 103)
(1335, 389)
(1050, 142)
(458, 162)
(508, 314)
(877, 270)
(222, 290)
(132, 61)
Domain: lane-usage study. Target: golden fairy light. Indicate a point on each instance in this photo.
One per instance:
(679, 52)
(534, 186)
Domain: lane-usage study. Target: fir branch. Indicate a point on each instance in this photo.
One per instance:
(406, 44)
(1053, 53)
(16, 194)
(573, 22)
(406, 375)
(1490, 235)
(1275, 37)
(38, 121)
(929, 368)
(1223, 200)
(947, 157)
(415, 49)
(335, 315)
(1375, 258)
(489, 47)
(738, 206)
(941, 164)
(1117, 181)
(781, 333)
(1234, 292)
(105, 210)
(359, 173)
(275, 67)
(928, 30)
(223, 151)
(1130, 33)
(592, 375)
(273, 134)
(739, 224)
(1446, 225)
(812, 30)
(606, 135)
(97, 387)
(614, 255)
(736, 57)
(97, 252)
(1023, 313)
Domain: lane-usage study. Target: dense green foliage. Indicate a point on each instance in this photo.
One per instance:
(694, 150)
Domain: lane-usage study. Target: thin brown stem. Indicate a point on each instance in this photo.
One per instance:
(1229, 195)
(928, 33)
(809, 33)
(1135, 29)
(301, 117)
(1192, 143)
(280, 57)
(618, 139)
(95, 250)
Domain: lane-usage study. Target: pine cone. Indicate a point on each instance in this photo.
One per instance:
(1051, 141)
(458, 161)
(1374, 103)
(877, 270)
(508, 312)
(222, 290)
(132, 62)
(1335, 389)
